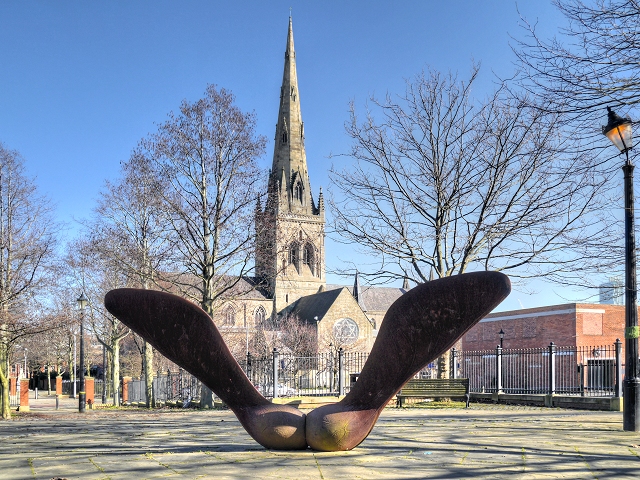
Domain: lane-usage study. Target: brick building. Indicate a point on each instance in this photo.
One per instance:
(571, 324)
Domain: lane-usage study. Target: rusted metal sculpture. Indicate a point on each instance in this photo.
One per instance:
(418, 327)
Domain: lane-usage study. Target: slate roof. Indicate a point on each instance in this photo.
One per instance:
(249, 288)
(316, 305)
(374, 298)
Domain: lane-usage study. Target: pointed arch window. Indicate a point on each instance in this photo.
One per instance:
(308, 257)
(285, 137)
(229, 316)
(297, 191)
(260, 316)
(294, 254)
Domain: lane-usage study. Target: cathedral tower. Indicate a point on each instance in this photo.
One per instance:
(290, 229)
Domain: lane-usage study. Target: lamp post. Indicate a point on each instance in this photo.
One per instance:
(618, 130)
(501, 333)
(82, 395)
(26, 374)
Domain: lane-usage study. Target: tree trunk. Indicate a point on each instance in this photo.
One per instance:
(206, 397)
(48, 379)
(4, 383)
(115, 373)
(443, 365)
(148, 375)
(72, 370)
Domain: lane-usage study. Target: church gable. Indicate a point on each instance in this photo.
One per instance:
(338, 317)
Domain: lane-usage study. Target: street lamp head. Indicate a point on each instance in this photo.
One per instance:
(501, 333)
(82, 301)
(618, 130)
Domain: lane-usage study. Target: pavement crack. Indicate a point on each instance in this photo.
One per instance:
(33, 470)
(100, 469)
(318, 465)
(150, 456)
(585, 462)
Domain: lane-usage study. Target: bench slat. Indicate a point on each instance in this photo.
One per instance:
(425, 388)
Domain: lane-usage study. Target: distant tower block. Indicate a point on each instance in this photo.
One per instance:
(612, 292)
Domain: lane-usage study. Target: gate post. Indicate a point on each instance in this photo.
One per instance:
(24, 395)
(275, 372)
(340, 372)
(552, 368)
(618, 345)
(498, 369)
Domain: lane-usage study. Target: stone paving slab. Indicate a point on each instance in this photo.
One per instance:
(484, 441)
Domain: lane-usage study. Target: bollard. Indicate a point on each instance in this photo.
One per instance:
(36, 390)
(57, 401)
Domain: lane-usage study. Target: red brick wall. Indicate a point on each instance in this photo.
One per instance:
(565, 325)
(612, 325)
(24, 395)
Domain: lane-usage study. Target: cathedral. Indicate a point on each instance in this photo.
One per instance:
(290, 252)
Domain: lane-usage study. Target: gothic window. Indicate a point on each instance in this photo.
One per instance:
(294, 250)
(346, 331)
(229, 316)
(297, 191)
(308, 257)
(284, 137)
(260, 316)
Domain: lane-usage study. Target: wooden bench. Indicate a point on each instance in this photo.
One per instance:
(435, 388)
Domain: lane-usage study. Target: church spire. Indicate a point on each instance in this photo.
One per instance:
(290, 254)
(289, 156)
(357, 292)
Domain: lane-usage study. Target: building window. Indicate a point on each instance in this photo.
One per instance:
(260, 316)
(297, 191)
(284, 137)
(308, 257)
(229, 317)
(294, 250)
(346, 331)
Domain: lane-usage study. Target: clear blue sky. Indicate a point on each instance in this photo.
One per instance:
(81, 82)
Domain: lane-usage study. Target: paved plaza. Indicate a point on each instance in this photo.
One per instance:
(484, 441)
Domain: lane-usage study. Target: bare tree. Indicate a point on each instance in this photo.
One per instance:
(88, 273)
(207, 153)
(127, 232)
(442, 183)
(297, 337)
(593, 62)
(27, 259)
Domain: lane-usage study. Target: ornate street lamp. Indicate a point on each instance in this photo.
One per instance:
(501, 333)
(618, 130)
(82, 395)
